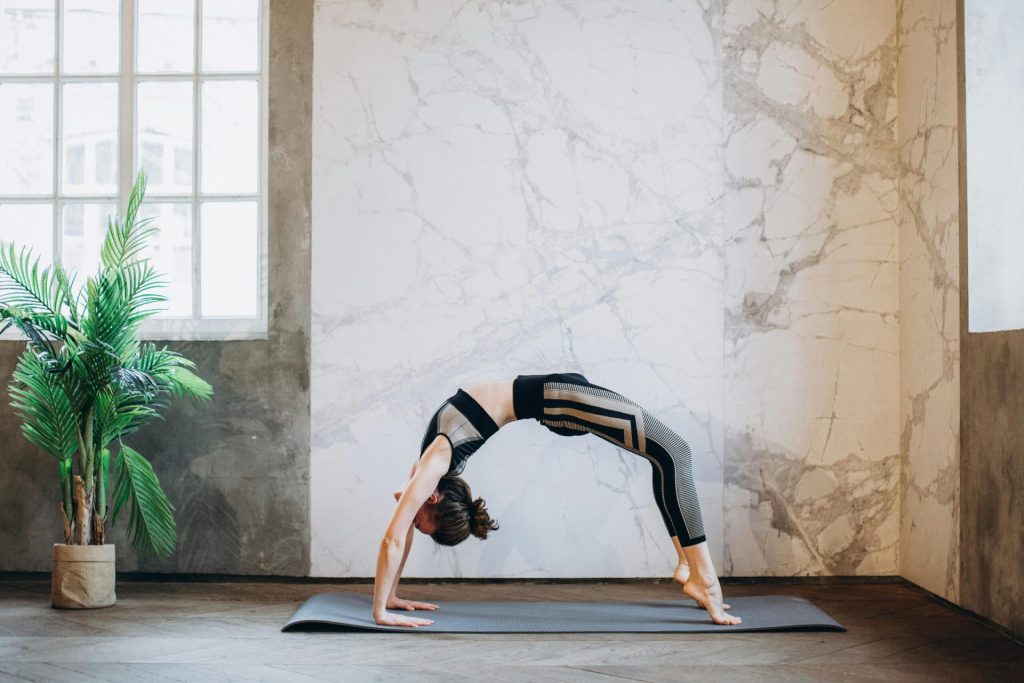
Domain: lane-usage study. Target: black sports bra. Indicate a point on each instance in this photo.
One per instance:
(465, 424)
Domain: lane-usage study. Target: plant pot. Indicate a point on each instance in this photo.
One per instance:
(83, 576)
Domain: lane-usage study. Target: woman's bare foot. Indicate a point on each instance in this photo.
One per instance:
(708, 594)
(682, 575)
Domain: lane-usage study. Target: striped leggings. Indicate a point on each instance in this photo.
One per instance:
(573, 406)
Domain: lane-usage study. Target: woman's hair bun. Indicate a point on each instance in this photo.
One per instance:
(480, 522)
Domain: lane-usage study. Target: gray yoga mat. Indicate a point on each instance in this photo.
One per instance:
(351, 611)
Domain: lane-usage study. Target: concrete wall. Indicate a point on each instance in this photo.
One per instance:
(992, 461)
(929, 296)
(237, 470)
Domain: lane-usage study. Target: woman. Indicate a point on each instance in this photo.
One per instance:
(437, 502)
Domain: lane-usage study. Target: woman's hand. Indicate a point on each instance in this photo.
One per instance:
(409, 605)
(388, 619)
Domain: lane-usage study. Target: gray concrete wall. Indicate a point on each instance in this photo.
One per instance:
(992, 478)
(237, 469)
(992, 441)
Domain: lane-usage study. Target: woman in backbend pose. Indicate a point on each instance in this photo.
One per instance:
(437, 502)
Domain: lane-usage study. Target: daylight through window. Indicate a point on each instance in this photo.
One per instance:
(91, 91)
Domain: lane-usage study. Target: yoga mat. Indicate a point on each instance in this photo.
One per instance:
(351, 611)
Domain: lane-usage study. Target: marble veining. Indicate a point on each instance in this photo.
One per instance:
(929, 296)
(696, 203)
(507, 188)
(811, 288)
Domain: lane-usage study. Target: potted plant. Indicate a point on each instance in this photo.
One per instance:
(83, 384)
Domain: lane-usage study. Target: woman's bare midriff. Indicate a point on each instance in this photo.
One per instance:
(496, 398)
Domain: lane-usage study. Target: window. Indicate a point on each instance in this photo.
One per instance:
(91, 91)
(994, 71)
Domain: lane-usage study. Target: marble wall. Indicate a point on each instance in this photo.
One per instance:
(811, 288)
(929, 296)
(694, 203)
(506, 188)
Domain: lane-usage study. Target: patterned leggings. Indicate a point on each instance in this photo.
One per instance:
(568, 404)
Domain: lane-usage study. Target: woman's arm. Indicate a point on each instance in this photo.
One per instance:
(401, 566)
(428, 472)
(395, 602)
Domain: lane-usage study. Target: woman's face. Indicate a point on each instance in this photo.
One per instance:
(424, 519)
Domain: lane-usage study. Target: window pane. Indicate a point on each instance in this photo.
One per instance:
(229, 148)
(90, 138)
(26, 36)
(171, 252)
(994, 61)
(91, 37)
(106, 165)
(26, 138)
(165, 135)
(229, 258)
(230, 35)
(166, 42)
(84, 226)
(28, 225)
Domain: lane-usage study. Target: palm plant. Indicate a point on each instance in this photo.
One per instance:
(85, 380)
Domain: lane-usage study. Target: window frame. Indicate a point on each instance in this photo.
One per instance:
(127, 160)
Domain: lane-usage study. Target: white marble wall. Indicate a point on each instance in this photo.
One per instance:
(503, 188)
(692, 202)
(811, 328)
(929, 296)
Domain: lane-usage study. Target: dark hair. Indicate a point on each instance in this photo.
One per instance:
(457, 515)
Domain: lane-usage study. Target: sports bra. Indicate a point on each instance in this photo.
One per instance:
(465, 424)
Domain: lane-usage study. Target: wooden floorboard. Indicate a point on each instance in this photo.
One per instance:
(167, 631)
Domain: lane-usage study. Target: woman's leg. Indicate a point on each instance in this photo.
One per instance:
(571, 407)
(682, 572)
(668, 452)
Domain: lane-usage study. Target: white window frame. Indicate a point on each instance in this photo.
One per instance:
(194, 327)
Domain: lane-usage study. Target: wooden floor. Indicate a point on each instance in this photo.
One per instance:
(230, 631)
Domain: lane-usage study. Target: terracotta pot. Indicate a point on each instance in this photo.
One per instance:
(83, 576)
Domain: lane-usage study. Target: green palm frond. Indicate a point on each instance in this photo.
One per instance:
(94, 364)
(26, 286)
(158, 362)
(37, 334)
(118, 415)
(107, 314)
(139, 284)
(187, 384)
(66, 283)
(151, 525)
(131, 382)
(174, 372)
(48, 418)
(125, 240)
(54, 324)
(117, 301)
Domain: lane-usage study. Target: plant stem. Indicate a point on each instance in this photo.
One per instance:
(68, 538)
(101, 484)
(90, 453)
(83, 521)
(65, 490)
(83, 455)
